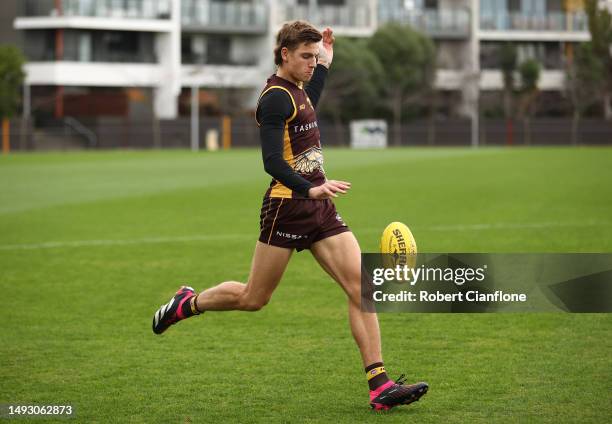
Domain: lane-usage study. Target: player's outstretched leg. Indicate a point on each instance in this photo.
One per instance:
(340, 256)
(181, 306)
(269, 263)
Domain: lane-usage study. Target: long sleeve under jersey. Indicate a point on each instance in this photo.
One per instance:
(275, 107)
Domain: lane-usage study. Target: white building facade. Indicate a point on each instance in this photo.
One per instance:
(169, 45)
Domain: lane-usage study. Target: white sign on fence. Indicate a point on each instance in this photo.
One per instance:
(368, 133)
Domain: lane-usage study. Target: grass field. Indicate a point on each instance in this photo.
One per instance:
(92, 243)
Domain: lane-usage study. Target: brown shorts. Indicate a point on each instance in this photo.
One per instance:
(298, 223)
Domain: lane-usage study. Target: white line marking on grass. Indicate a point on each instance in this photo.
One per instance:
(93, 243)
(186, 239)
(499, 226)
(512, 226)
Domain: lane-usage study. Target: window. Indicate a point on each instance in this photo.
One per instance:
(218, 50)
(323, 2)
(193, 49)
(549, 55)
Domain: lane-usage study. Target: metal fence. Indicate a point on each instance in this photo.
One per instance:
(113, 133)
(241, 17)
(443, 22)
(551, 21)
(359, 16)
(133, 9)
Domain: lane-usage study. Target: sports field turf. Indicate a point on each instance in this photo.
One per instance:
(92, 243)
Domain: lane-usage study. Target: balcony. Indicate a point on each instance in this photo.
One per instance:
(120, 15)
(555, 26)
(491, 79)
(201, 59)
(130, 9)
(92, 46)
(96, 57)
(94, 74)
(355, 20)
(218, 76)
(211, 16)
(444, 23)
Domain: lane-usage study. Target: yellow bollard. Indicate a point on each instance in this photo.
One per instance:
(227, 132)
(6, 141)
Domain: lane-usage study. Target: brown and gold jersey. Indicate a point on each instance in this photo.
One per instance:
(301, 139)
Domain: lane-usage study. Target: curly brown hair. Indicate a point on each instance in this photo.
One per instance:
(292, 34)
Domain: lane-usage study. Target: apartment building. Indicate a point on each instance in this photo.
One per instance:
(130, 50)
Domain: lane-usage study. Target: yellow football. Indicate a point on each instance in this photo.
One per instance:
(397, 241)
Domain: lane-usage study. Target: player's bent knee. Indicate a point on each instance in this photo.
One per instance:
(252, 305)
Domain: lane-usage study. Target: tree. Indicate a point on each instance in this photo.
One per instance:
(11, 78)
(408, 59)
(600, 27)
(507, 58)
(585, 76)
(530, 74)
(353, 86)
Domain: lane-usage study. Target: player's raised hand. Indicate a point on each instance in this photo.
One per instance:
(329, 189)
(326, 48)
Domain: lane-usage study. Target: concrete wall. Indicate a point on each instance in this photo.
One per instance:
(9, 35)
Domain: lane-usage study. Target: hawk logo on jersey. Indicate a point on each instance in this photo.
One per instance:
(339, 218)
(309, 161)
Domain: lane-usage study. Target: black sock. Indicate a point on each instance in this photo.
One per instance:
(376, 374)
(189, 308)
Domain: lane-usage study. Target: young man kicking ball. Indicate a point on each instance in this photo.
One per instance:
(297, 211)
